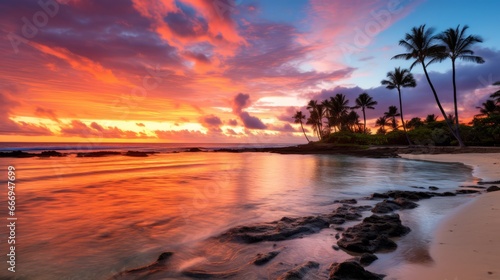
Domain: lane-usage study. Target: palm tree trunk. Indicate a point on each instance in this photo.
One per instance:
(364, 119)
(304, 131)
(441, 107)
(402, 119)
(457, 128)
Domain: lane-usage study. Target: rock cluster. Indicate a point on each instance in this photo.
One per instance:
(372, 235)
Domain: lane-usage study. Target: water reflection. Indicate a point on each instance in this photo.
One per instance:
(95, 217)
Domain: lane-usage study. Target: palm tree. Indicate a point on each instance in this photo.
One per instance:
(489, 108)
(414, 123)
(430, 118)
(382, 123)
(337, 108)
(391, 114)
(396, 80)
(421, 47)
(350, 121)
(365, 101)
(316, 116)
(458, 45)
(298, 117)
(313, 121)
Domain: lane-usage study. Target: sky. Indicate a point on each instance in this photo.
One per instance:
(219, 71)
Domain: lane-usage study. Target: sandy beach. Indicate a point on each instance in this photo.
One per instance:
(466, 244)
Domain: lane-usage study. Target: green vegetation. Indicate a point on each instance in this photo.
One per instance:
(334, 121)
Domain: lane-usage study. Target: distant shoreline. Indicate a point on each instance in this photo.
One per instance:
(312, 148)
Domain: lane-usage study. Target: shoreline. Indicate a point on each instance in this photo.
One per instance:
(465, 244)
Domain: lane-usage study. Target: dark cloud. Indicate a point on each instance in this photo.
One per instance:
(186, 24)
(287, 115)
(285, 128)
(140, 124)
(212, 123)
(40, 112)
(232, 122)
(251, 122)
(270, 54)
(240, 102)
(198, 57)
(7, 105)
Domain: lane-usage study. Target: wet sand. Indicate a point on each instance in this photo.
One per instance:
(466, 244)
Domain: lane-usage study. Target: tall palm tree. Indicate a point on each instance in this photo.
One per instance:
(382, 123)
(298, 117)
(396, 80)
(391, 114)
(365, 101)
(421, 47)
(457, 46)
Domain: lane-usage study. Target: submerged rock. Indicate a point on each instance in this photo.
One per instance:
(351, 270)
(262, 259)
(138, 153)
(143, 272)
(372, 235)
(367, 259)
(411, 195)
(466, 191)
(387, 206)
(51, 154)
(346, 201)
(98, 154)
(492, 189)
(299, 272)
(289, 228)
(16, 154)
(278, 230)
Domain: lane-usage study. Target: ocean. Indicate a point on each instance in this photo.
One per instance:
(92, 218)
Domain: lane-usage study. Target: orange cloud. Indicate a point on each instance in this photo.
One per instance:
(80, 63)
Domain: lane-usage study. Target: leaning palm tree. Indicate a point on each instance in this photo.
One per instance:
(391, 114)
(457, 46)
(421, 47)
(396, 80)
(316, 116)
(365, 101)
(298, 117)
(313, 121)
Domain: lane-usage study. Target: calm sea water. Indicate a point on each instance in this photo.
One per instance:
(90, 218)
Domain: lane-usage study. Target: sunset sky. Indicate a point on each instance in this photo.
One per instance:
(218, 70)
